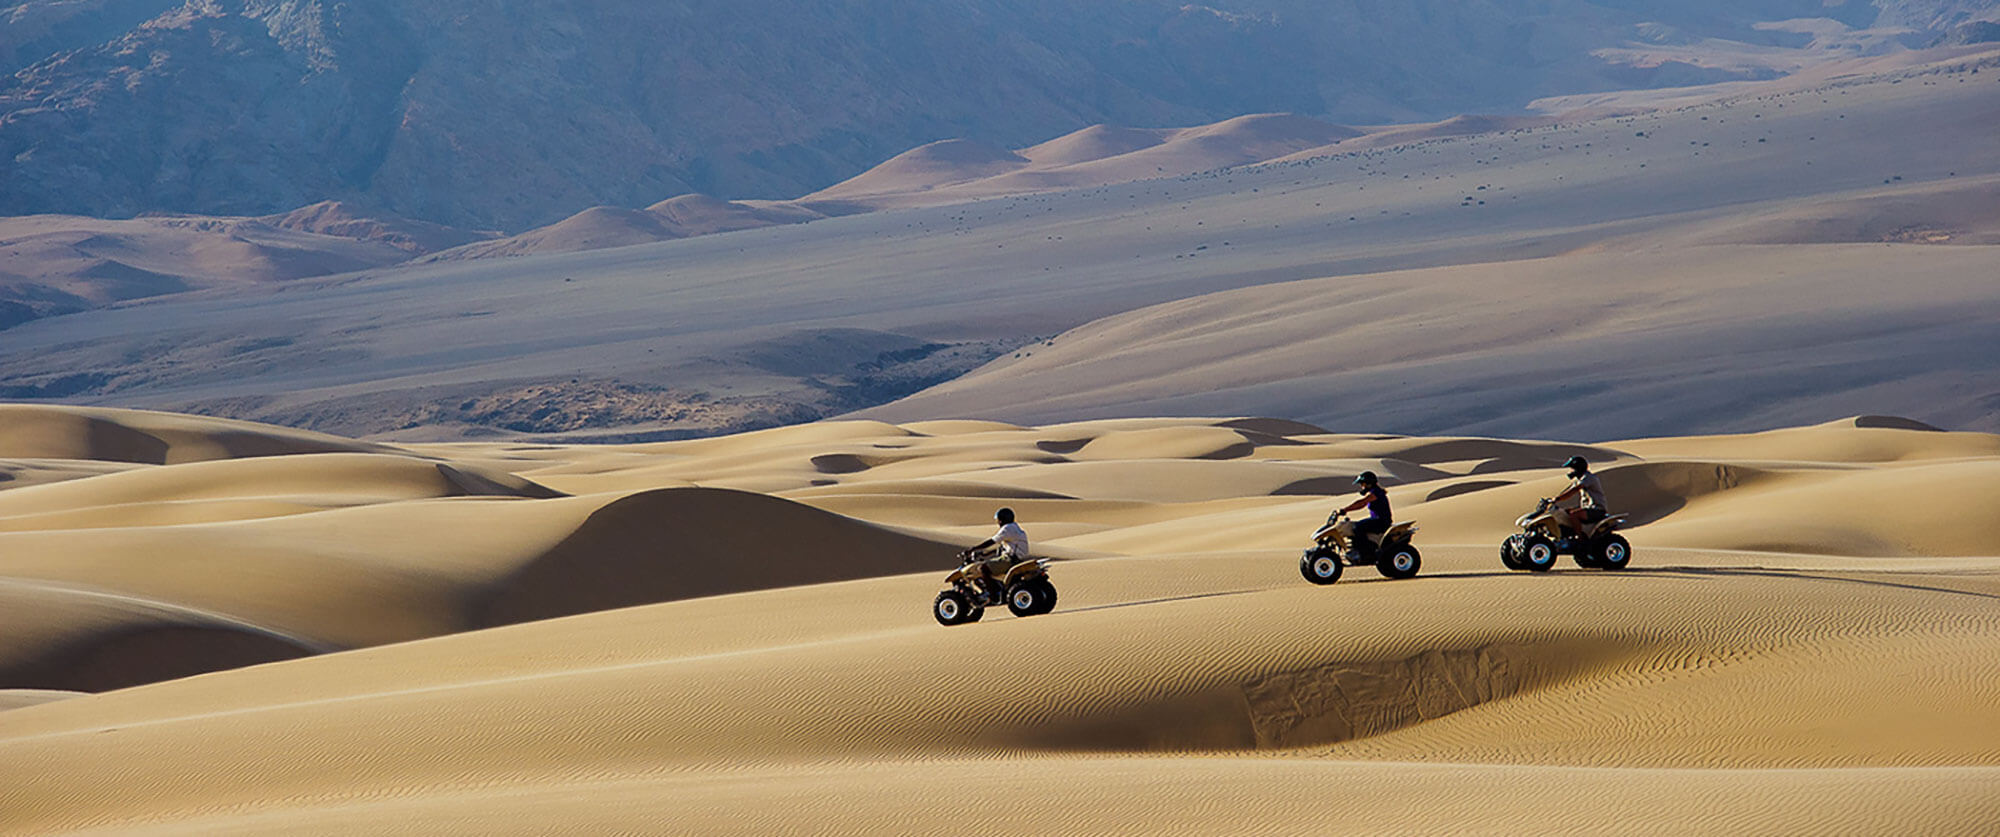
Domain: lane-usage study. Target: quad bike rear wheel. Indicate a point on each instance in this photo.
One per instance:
(1538, 554)
(1049, 603)
(1030, 598)
(1510, 552)
(1615, 553)
(954, 608)
(1402, 562)
(1320, 566)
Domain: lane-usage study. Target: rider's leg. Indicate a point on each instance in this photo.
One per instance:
(1586, 518)
(1366, 532)
(1346, 528)
(993, 573)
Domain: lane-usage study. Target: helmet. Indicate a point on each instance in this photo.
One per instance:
(1005, 516)
(1366, 478)
(1577, 465)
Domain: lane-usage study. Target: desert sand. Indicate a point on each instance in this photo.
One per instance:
(219, 627)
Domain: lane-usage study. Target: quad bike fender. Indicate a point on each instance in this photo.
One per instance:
(1399, 532)
(1027, 569)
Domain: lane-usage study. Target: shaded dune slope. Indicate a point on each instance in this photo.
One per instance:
(62, 638)
(685, 543)
(105, 434)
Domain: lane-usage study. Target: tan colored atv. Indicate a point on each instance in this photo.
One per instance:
(1025, 590)
(1390, 553)
(1545, 534)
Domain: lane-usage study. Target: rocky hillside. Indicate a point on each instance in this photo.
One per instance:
(514, 113)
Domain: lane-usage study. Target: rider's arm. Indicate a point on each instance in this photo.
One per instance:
(1356, 504)
(1566, 494)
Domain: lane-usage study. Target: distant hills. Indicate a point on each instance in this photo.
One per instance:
(60, 264)
(507, 114)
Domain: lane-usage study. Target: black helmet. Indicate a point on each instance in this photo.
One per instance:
(1577, 465)
(1005, 516)
(1366, 478)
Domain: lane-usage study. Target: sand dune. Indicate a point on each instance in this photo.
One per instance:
(1457, 126)
(301, 482)
(953, 171)
(56, 264)
(1954, 212)
(353, 548)
(344, 220)
(1579, 345)
(61, 638)
(1783, 656)
(17, 698)
(1096, 142)
(113, 435)
(600, 227)
(925, 168)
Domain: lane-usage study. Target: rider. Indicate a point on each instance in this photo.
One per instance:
(1585, 486)
(1006, 548)
(1377, 501)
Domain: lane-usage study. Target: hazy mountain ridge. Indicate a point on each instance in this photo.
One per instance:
(512, 114)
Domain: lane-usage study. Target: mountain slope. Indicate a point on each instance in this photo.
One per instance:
(511, 114)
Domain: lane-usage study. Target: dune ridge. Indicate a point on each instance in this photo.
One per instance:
(615, 634)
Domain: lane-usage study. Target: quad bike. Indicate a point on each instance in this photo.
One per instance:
(1025, 590)
(1544, 536)
(1390, 553)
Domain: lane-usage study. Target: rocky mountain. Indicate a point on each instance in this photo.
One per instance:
(1936, 15)
(515, 113)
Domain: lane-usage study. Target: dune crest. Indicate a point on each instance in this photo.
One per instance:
(743, 610)
(140, 436)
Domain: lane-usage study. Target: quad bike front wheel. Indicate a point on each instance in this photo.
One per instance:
(1031, 598)
(1510, 551)
(1615, 553)
(1320, 566)
(954, 608)
(1403, 562)
(1538, 554)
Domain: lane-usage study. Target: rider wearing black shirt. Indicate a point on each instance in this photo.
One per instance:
(1377, 502)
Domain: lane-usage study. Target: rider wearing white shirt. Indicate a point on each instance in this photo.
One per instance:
(1006, 548)
(1589, 492)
